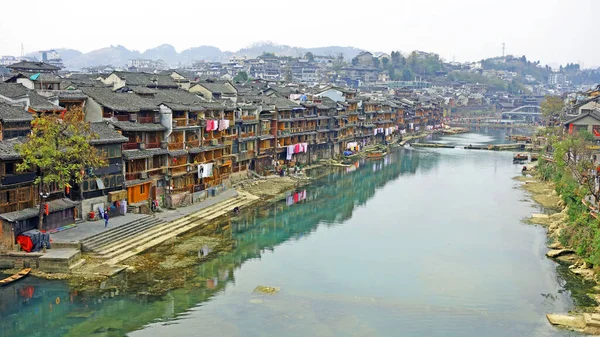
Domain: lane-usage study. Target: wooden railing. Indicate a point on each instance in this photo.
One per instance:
(193, 143)
(145, 120)
(130, 146)
(132, 175)
(175, 146)
(249, 118)
(122, 118)
(179, 121)
(153, 145)
(246, 134)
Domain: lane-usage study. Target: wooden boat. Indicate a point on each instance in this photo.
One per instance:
(534, 156)
(520, 157)
(15, 277)
(376, 155)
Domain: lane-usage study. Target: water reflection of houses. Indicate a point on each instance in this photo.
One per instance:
(329, 201)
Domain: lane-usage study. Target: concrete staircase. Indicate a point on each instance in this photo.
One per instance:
(124, 242)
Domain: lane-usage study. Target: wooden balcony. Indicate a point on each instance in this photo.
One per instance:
(132, 175)
(246, 134)
(153, 145)
(179, 170)
(121, 118)
(145, 120)
(211, 142)
(130, 146)
(249, 118)
(175, 146)
(193, 143)
(180, 122)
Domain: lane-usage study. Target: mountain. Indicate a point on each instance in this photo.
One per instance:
(113, 55)
(165, 52)
(118, 56)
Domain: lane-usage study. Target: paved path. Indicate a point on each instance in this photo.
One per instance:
(87, 229)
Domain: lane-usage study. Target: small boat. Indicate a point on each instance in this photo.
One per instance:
(15, 277)
(534, 157)
(376, 155)
(520, 157)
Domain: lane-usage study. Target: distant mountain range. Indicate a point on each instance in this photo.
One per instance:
(120, 55)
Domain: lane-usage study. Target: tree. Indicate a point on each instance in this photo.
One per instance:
(575, 153)
(407, 75)
(309, 56)
(376, 62)
(60, 149)
(355, 61)
(551, 107)
(385, 62)
(242, 76)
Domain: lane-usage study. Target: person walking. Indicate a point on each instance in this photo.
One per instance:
(105, 219)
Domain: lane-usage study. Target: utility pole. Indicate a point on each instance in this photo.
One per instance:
(503, 48)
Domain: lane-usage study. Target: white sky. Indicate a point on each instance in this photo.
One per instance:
(552, 31)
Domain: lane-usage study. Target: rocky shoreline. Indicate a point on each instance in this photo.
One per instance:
(582, 319)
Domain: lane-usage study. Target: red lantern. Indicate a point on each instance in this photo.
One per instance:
(46, 209)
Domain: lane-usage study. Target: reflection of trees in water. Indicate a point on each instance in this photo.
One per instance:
(329, 201)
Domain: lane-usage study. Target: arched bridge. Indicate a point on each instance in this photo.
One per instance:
(523, 112)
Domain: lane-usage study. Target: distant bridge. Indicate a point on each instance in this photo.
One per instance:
(527, 112)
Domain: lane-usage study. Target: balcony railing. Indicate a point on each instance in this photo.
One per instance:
(132, 176)
(145, 120)
(122, 118)
(153, 145)
(175, 146)
(246, 134)
(130, 146)
(180, 122)
(193, 143)
(249, 118)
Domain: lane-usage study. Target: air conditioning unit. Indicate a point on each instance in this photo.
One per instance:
(133, 117)
(156, 119)
(214, 142)
(144, 175)
(142, 146)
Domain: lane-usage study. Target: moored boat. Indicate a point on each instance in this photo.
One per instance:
(520, 157)
(376, 155)
(15, 277)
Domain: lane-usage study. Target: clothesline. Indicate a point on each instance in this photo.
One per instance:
(220, 125)
(296, 148)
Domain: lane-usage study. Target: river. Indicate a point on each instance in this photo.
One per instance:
(427, 242)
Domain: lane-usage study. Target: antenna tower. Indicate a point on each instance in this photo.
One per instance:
(22, 50)
(503, 48)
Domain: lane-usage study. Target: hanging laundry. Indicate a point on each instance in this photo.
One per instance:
(375, 132)
(208, 125)
(297, 148)
(296, 196)
(290, 152)
(305, 147)
(289, 200)
(227, 121)
(208, 170)
(201, 170)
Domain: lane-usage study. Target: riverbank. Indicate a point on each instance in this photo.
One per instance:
(582, 319)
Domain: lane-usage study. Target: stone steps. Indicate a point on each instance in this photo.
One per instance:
(124, 249)
(98, 242)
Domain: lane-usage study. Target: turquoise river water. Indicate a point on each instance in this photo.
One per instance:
(427, 242)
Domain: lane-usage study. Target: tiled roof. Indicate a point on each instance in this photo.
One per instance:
(7, 148)
(39, 103)
(146, 79)
(106, 134)
(13, 90)
(177, 153)
(33, 66)
(139, 154)
(129, 183)
(12, 113)
(135, 126)
(28, 213)
(127, 102)
(219, 87)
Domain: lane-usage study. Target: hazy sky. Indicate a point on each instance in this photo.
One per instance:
(552, 31)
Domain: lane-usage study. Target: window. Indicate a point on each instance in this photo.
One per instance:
(9, 168)
(24, 194)
(86, 185)
(142, 189)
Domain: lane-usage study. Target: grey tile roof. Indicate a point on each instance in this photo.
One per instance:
(42, 77)
(39, 103)
(28, 213)
(136, 182)
(13, 90)
(147, 80)
(219, 87)
(7, 148)
(177, 153)
(139, 154)
(127, 102)
(33, 66)
(71, 95)
(13, 113)
(135, 126)
(106, 134)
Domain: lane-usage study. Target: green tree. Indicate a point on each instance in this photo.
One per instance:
(385, 62)
(575, 154)
(407, 75)
(241, 77)
(59, 148)
(376, 62)
(355, 61)
(552, 106)
(309, 56)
